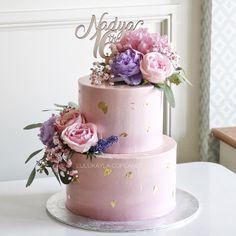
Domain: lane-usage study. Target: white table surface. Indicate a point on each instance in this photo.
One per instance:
(22, 211)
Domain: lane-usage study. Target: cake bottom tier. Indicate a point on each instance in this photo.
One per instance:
(125, 187)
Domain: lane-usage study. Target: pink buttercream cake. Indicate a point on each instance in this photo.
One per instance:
(136, 179)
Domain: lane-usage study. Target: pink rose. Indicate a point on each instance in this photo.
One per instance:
(155, 67)
(68, 117)
(80, 136)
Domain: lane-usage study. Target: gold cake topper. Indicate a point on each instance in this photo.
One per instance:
(105, 33)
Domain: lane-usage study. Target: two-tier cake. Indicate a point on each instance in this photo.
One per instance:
(110, 150)
(136, 179)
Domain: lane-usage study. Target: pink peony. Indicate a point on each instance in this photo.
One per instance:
(155, 67)
(140, 40)
(80, 136)
(144, 42)
(68, 117)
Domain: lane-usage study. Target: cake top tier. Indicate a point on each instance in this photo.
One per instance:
(132, 113)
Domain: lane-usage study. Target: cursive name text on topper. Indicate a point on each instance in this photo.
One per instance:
(105, 33)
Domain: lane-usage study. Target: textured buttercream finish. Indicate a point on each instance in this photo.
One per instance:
(125, 187)
(134, 114)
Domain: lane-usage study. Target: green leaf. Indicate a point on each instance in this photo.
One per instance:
(169, 95)
(31, 178)
(183, 77)
(178, 68)
(178, 77)
(52, 110)
(46, 171)
(87, 155)
(33, 126)
(175, 79)
(160, 86)
(33, 154)
(61, 106)
(73, 105)
(91, 156)
(64, 179)
(56, 175)
(145, 82)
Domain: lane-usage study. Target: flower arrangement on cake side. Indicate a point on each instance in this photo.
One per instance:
(141, 58)
(62, 135)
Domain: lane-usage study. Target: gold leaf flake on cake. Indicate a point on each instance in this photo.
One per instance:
(146, 103)
(123, 134)
(76, 180)
(103, 107)
(129, 174)
(132, 105)
(155, 189)
(113, 203)
(148, 128)
(107, 171)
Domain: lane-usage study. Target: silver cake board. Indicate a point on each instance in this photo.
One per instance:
(186, 208)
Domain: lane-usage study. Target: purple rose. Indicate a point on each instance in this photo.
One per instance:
(126, 66)
(47, 131)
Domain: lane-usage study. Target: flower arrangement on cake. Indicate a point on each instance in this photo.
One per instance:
(62, 135)
(141, 58)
